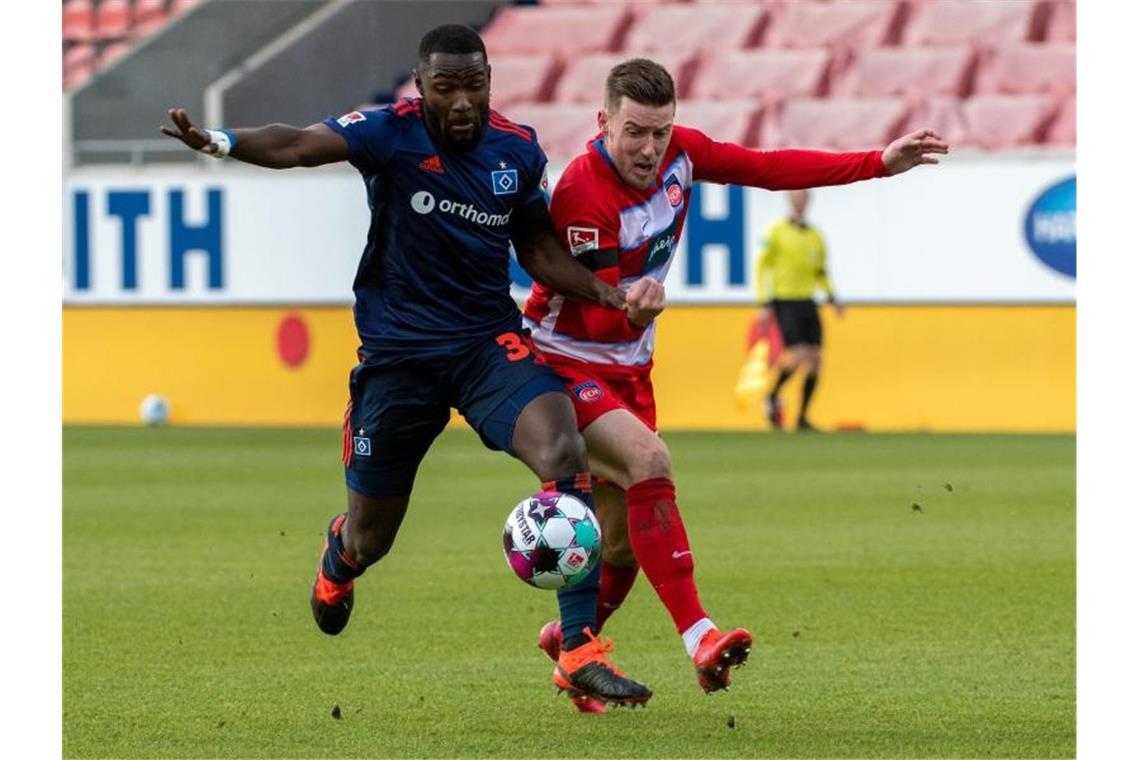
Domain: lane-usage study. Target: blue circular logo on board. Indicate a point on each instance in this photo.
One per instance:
(1051, 227)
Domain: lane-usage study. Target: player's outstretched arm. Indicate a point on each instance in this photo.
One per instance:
(275, 146)
(540, 254)
(913, 150)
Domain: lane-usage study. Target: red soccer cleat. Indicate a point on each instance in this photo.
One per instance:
(550, 639)
(717, 653)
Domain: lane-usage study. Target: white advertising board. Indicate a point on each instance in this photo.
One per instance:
(976, 229)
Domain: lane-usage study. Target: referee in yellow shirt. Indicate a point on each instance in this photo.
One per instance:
(792, 267)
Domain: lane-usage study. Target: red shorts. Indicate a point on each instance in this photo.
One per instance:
(599, 388)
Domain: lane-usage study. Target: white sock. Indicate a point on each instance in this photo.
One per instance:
(694, 633)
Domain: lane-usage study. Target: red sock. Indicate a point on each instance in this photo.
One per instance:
(661, 546)
(616, 583)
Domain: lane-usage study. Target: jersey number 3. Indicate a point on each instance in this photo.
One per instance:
(514, 345)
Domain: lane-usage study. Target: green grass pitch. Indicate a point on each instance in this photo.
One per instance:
(911, 596)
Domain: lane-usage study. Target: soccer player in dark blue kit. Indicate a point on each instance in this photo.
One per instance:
(450, 185)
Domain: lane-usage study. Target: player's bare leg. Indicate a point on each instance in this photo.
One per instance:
(625, 451)
(546, 439)
(356, 539)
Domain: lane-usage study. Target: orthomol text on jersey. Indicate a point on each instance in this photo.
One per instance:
(424, 202)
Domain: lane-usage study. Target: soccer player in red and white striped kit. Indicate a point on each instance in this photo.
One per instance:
(620, 208)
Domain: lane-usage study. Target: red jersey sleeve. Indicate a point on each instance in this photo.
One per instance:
(731, 164)
(580, 217)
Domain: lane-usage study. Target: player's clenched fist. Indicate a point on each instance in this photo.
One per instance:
(645, 299)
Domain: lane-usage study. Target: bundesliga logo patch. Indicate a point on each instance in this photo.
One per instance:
(350, 118)
(582, 239)
(588, 391)
(505, 182)
(361, 446)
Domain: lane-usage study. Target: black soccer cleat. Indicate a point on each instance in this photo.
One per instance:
(586, 671)
(331, 604)
(330, 601)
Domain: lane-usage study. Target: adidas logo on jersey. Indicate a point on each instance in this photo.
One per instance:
(432, 164)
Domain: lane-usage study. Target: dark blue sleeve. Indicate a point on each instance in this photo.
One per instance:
(535, 184)
(371, 137)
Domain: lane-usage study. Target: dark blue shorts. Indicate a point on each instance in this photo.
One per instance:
(396, 411)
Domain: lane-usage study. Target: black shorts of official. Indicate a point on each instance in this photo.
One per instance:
(396, 410)
(799, 322)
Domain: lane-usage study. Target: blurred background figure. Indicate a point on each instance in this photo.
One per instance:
(791, 268)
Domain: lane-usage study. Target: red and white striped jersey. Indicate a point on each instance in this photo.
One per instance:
(624, 233)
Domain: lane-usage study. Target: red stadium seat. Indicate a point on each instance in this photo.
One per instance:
(149, 16)
(735, 121)
(1063, 22)
(563, 128)
(514, 79)
(181, 6)
(943, 114)
(1030, 68)
(568, 30)
(846, 25)
(584, 79)
(711, 27)
(521, 78)
(78, 64)
(769, 76)
(1064, 129)
(78, 20)
(977, 22)
(113, 52)
(113, 19)
(909, 72)
(839, 123)
(1008, 121)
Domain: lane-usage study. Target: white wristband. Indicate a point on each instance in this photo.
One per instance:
(223, 139)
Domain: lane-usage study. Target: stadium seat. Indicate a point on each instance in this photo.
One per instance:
(709, 27)
(149, 16)
(112, 52)
(78, 64)
(839, 123)
(769, 76)
(78, 20)
(112, 19)
(1064, 128)
(583, 80)
(838, 25)
(563, 128)
(1063, 22)
(943, 114)
(1032, 67)
(909, 72)
(566, 30)
(521, 78)
(1008, 121)
(735, 121)
(978, 22)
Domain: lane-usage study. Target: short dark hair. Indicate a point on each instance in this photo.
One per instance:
(451, 38)
(642, 81)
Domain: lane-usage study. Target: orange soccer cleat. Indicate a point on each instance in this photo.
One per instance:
(717, 653)
(586, 671)
(550, 642)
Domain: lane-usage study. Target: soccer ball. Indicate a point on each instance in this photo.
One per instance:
(154, 410)
(552, 540)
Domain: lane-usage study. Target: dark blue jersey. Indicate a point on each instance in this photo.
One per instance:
(434, 276)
